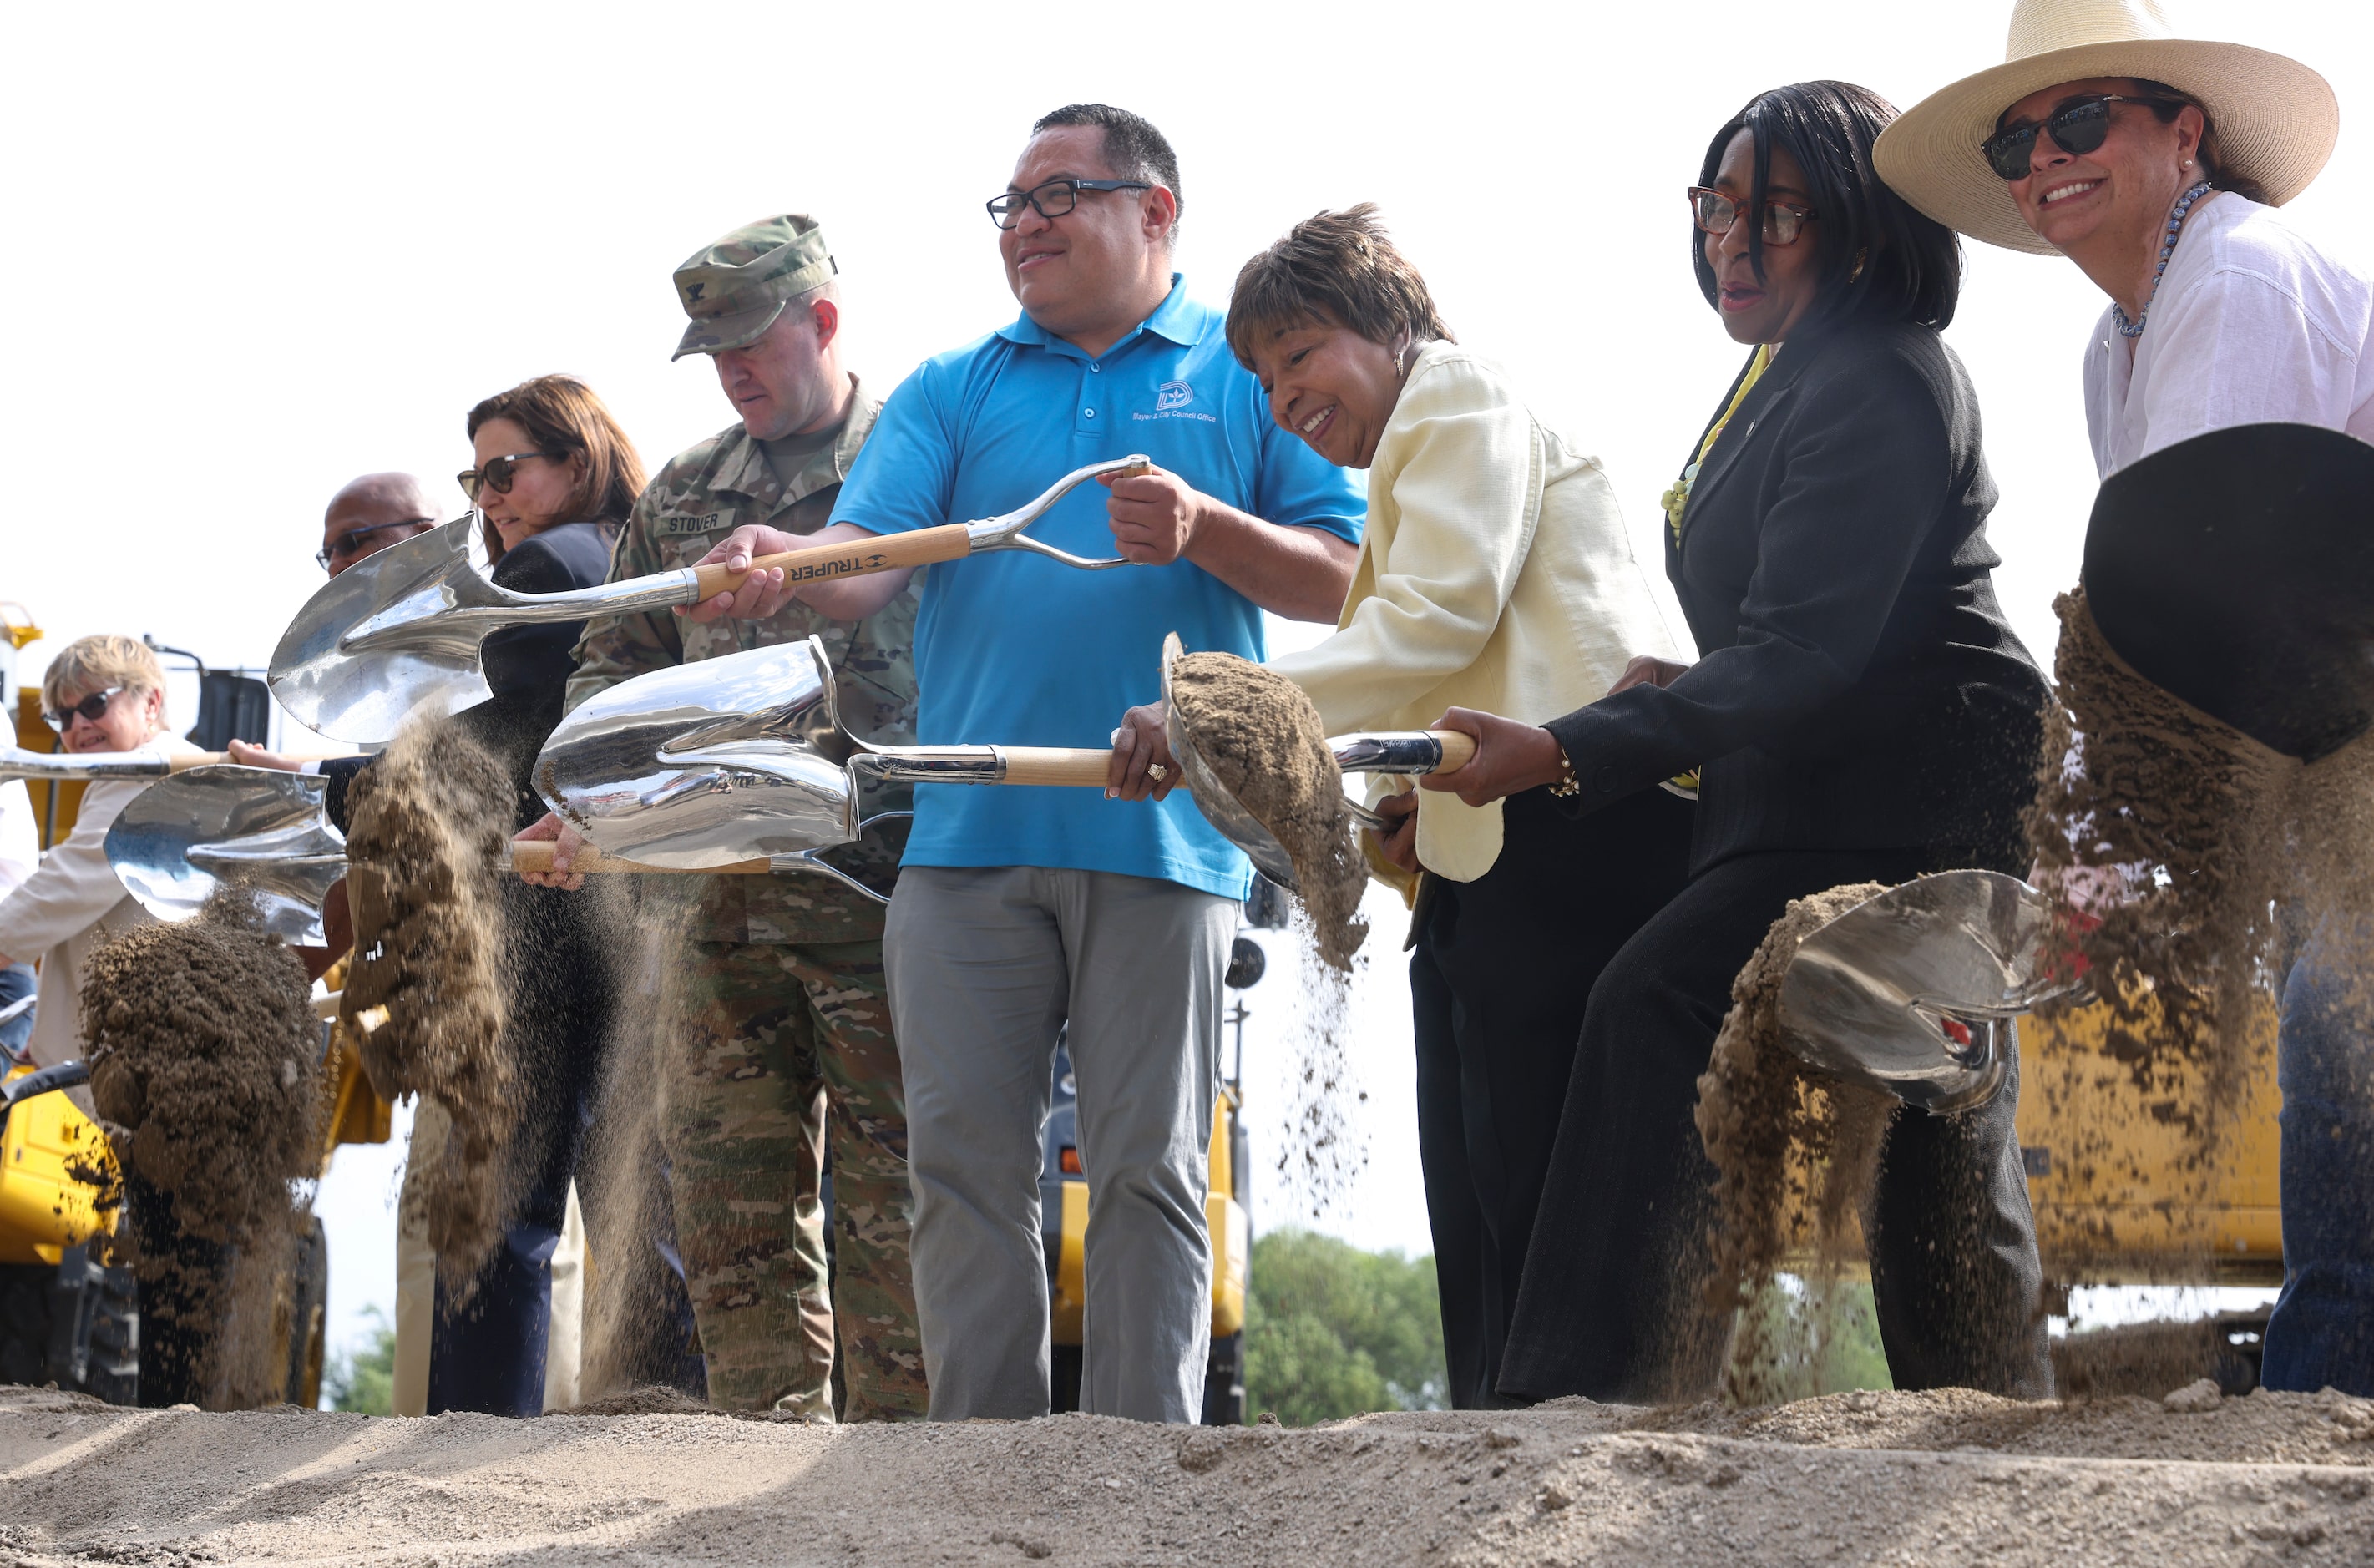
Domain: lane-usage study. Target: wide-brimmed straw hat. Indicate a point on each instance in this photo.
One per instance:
(2276, 120)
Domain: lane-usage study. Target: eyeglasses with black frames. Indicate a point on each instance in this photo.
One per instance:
(2077, 127)
(1784, 222)
(1052, 199)
(349, 545)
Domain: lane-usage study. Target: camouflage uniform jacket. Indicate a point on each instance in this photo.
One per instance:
(700, 496)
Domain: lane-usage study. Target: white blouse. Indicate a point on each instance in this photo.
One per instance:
(2251, 325)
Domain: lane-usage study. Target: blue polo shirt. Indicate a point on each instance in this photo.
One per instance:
(1013, 649)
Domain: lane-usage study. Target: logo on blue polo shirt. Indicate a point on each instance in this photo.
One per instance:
(1171, 401)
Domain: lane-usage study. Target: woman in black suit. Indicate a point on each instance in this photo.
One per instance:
(1860, 712)
(554, 477)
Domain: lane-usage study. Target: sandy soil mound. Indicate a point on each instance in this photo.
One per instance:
(1850, 1478)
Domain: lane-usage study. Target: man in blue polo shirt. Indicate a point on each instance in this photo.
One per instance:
(1023, 910)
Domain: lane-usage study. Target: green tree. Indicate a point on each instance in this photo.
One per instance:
(1333, 1331)
(362, 1379)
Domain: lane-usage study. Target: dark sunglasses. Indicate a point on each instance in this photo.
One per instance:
(2077, 127)
(497, 475)
(345, 546)
(1053, 199)
(93, 707)
(1716, 214)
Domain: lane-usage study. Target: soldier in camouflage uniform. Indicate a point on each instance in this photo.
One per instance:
(778, 1028)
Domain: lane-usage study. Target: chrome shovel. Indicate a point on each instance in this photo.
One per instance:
(269, 832)
(709, 763)
(1914, 992)
(398, 632)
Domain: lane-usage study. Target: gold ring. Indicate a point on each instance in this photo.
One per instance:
(1156, 772)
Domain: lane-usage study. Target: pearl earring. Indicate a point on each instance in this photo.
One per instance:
(2188, 163)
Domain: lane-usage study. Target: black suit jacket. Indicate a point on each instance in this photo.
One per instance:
(1857, 685)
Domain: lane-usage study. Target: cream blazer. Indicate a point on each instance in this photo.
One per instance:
(73, 907)
(1495, 573)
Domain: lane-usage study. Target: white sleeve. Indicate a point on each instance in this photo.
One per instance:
(74, 885)
(20, 837)
(2240, 350)
(1468, 496)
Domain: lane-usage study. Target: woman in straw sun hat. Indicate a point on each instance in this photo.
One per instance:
(2156, 163)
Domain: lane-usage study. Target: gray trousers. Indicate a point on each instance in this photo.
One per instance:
(985, 966)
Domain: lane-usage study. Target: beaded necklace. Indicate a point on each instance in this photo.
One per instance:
(2167, 248)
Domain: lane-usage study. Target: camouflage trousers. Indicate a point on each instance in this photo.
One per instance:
(769, 1050)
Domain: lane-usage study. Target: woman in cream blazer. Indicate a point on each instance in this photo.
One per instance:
(73, 904)
(1493, 572)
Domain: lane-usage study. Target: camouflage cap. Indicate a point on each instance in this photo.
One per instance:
(735, 288)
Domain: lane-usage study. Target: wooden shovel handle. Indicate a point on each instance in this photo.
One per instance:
(1056, 765)
(536, 855)
(184, 762)
(849, 557)
(1458, 749)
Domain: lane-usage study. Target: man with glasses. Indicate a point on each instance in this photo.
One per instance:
(371, 513)
(1023, 911)
(778, 1034)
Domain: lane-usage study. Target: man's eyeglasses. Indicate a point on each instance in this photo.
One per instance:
(497, 475)
(1716, 214)
(1053, 199)
(93, 707)
(2077, 127)
(349, 545)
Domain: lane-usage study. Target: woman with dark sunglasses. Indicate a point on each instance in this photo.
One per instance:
(554, 477)
(1860, 711)
(2157, 164)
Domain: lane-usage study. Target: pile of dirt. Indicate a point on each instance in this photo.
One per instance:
(2196, 860)
(430, 825)
(1793, 1149)
(205, 1071)
(1262, 738)
(1946, 1477)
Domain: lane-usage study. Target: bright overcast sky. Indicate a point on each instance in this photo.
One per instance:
(256, 251)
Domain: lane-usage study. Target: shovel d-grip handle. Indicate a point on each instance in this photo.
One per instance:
(536, 855)
(849, 557)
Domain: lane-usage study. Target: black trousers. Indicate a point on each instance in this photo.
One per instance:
(489, 1353)
(1610, 1304)
(1502, 969)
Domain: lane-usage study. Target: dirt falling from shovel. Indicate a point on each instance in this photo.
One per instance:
(430, 819)
(1263, 739)
(205, 1071)
(1795, 1151)
(2207, 859)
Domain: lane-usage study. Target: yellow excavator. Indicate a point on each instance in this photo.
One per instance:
(65, 1315)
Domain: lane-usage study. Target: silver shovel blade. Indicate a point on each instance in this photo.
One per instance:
(333, 677)
(708, 763)
(1913, 992)
(253, 827)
